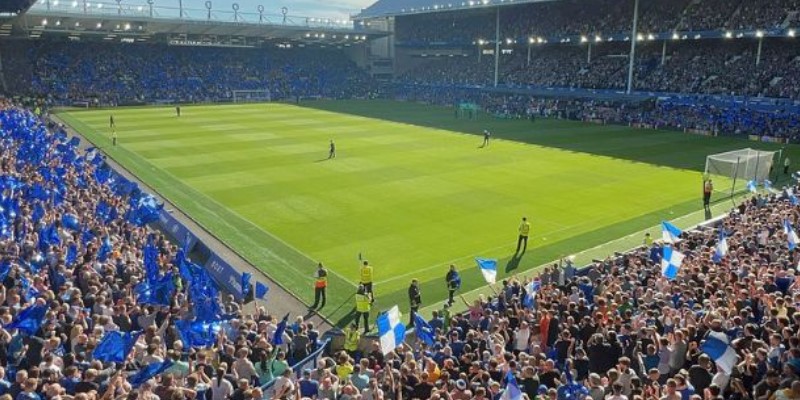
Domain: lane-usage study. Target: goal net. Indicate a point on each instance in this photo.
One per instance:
(731, 171)
(249, 96)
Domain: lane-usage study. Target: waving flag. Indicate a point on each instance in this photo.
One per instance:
(671, 262)
(423, 330)
(530, 293)
(391, 331)
(157, 292)
(278, 338)
(488, 268)
(512, 391)
(790, 234)
(261, 291)
(115, 346)
(768, 185)
(722, 247)
(148, 372)
(70, 222)
(718, 347)
(105, 249)
(198, 334)
(150, 260)
(751, 186)
(670, 233)
(29, 320)
(246, 287)
(72, 254)
(789, 193)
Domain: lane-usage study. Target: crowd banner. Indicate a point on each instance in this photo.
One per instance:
(226, 276)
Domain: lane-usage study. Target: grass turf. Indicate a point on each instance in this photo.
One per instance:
(409, 188)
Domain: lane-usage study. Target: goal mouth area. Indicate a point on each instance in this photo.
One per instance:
(731, 171)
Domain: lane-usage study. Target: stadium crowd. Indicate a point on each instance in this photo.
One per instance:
(603, 17)
(119, 73)
(75, 257)
(619, 330)
(94, 303)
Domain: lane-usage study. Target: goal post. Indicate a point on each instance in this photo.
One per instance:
(732, 170)
(251, 96)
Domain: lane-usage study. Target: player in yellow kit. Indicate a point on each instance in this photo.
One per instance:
(366, 279)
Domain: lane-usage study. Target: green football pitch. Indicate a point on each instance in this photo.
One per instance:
(411, 187)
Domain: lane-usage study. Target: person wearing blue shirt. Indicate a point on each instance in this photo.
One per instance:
(453, 280)
(309, 388)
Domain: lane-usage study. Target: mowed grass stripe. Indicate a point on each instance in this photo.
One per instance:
(412, 197)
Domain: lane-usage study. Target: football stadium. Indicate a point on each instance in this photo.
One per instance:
(402, 199)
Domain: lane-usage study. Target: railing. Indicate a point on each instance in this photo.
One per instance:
(299, 367)
(150, 9)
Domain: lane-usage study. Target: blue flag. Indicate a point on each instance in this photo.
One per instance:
(158, 292)
(423, 330)
(246, 276)
(150, 260)
(751, 186)
(512, 391)
(105, 249)
(261, 290)
(148, 372)
(115, 346)
(278, 338)
(29, 320)
(198, 334)
(70, 222)
(72, 254)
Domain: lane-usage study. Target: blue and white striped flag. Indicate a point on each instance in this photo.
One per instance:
(531, 289)
(718, 347)
(791, 235)
(751, 186)
(512, 391)
(488, 268)
(391, 331)
(722, 247)
(670, 233)
(671, 262)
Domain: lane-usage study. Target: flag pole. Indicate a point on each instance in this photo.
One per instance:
(735, 175)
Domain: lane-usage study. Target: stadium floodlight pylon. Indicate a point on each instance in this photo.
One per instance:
(732, 170)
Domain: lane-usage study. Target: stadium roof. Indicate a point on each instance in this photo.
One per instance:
(390, 8)
(125, 22)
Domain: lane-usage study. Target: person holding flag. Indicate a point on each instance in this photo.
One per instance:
(363, 306)
(453, 280)
(320, 287)
(365, 273)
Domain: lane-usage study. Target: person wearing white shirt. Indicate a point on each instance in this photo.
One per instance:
(221, 388)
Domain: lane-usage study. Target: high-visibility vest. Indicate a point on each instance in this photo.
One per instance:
(362, 303)
(351, 339)
(322, 279)
(366, 274)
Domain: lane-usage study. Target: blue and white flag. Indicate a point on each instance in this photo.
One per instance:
(391, 330)
(789, 193)
(530, 293)
(751, 186)
(423, 330)
(488, 268)
(718, 347)
(512, 391)
(670, 233)
(791, 235)
(721, 250)
(768, 185)
(671, 262)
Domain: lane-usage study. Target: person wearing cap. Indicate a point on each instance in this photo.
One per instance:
(461, 392)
